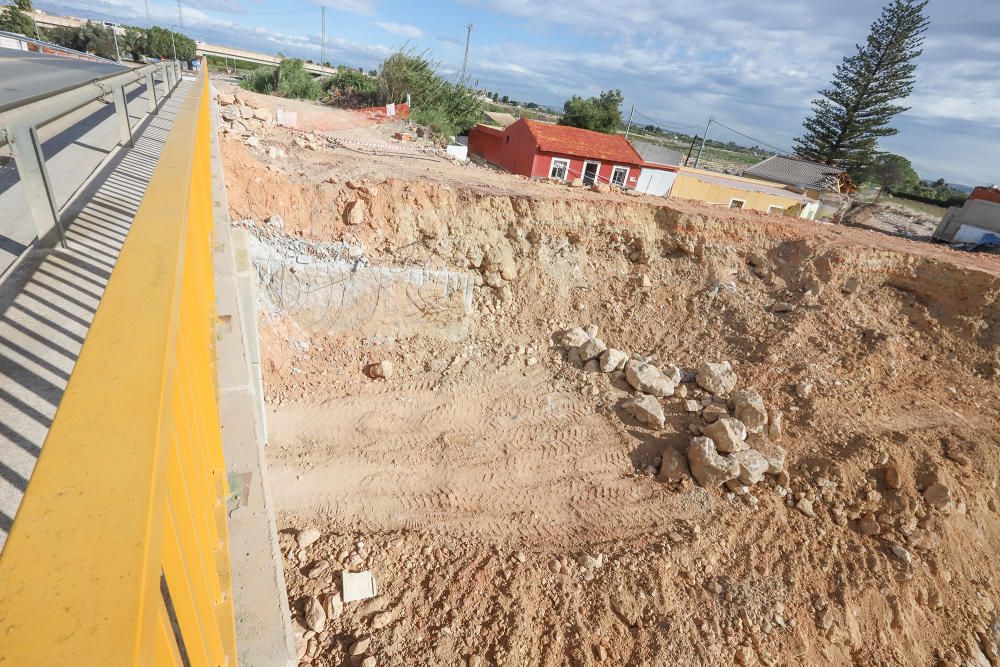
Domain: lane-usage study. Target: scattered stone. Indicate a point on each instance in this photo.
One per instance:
(748, 406)
(647, 378)
(646, 409)
(673, 466)
(276, 221)
(673, 372)
(315, 615)
(307, 536)
(591, 330)
(717, 378)
(708, 466)
(692, 406)
(274, 153)
(592, 349)
(333, 604)
(381, 371)
(804, 390)
(728, 433)
(354, 214)
(613, 360)
(850, 286)
(520, 557)
(745, 656)
(752, 466)
(230, 114)
(868, 525)
(806, 507)
(891, 477)
(575, 337)
(600, 187)
(782, 307)
(714, 412)
(263, 115)
(774, 425)
(318, 568)
(774, 455)
(253, 141)
(902, 554)
(939, 496)
(592, 366)
(475, 661)
(360, 647)
(369, 661)
(225, 99)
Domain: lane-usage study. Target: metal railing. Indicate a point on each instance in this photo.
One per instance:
(119, 552)
(19, 128)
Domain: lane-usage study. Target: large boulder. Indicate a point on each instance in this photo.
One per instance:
(752, 466)
(574, 337)
(613, 360)
(315, 615)
(749, 408)
(774, 455)
(728, 433)
(708, 466)
(720, 379)
(592, 349)
(646, 409)
(646, 377)
(674, 466)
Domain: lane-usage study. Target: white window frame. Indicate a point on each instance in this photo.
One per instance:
(624, 178)
(597, 174)
(564, 162)
(743, 202)
(775, 207)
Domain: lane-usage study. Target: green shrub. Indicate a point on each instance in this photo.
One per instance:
(289, 79)
(446, 108)
(350, 80)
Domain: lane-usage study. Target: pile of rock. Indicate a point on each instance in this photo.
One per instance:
(736, 439)
(240, 115)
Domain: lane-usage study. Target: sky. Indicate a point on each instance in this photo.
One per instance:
(753, 65)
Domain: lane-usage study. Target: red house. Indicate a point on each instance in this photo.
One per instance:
(543, 150)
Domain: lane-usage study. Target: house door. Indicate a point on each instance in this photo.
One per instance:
(590, 172)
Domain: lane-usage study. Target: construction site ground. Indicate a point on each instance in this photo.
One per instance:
(427, 424)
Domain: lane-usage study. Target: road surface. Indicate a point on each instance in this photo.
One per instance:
(74, 145)
(27, 76)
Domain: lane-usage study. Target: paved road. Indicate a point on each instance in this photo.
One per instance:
(26, 76)
(73, 145)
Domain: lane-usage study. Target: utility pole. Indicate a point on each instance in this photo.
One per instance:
(149, 24)
(628, 128)
(465, 62)
(322, 48)
(180, 18)
(173, 45)
(711, 119)
(690, 149)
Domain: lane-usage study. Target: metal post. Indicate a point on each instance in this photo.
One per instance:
(702, 147)
(121, 110)
(165, 78)
(34, 177)
(628, 128)
(151, 91)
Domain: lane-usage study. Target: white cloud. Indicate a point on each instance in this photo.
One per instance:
(410, 31)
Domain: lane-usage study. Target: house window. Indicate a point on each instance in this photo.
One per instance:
(618, 176)
(775, 209)
(559, 168)
(736, 203)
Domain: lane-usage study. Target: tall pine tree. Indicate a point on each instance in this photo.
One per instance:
(851, 116)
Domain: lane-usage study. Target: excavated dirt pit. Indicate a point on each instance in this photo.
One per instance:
(509, 507)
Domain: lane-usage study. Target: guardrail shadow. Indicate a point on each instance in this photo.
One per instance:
(48, 302)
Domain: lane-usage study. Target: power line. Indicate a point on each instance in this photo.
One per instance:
(754, 139)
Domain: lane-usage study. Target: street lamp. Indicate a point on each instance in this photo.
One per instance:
(172, 44)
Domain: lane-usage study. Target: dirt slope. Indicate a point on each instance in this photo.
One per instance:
(508, 505)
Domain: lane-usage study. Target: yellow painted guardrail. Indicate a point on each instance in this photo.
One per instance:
(119, 552)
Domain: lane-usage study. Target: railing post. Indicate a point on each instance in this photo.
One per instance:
(35, 181)
(165, 78)
(151, 92)
(121, 110)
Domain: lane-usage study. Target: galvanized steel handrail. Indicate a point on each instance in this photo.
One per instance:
(119, 554)
(19, 128)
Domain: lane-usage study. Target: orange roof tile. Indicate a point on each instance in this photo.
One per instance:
(583, 143)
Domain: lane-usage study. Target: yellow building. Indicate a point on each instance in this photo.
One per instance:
(740, 192)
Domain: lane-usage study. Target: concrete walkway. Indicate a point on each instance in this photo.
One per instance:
(48, 301)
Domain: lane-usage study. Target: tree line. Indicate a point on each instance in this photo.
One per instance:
(96, 38)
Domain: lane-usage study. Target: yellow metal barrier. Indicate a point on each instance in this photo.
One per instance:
(119, 552)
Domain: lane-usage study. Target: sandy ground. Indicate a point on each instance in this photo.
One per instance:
(511, 508)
